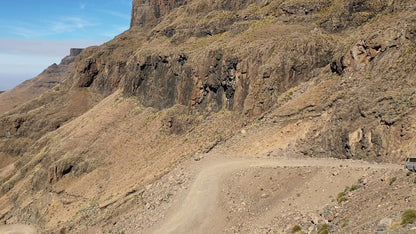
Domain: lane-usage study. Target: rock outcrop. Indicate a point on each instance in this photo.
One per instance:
(323, 78)
(147, 13)
(73, 52)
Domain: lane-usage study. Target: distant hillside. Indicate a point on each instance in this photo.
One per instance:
(34, 87)
(319, 78)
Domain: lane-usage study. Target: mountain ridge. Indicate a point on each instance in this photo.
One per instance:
(319, 78)
(46, 80)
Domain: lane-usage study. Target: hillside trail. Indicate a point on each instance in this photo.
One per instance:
(17, 229)
(200, 210)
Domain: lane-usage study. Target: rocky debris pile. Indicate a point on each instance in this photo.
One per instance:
(341, 71)
(374, 201)
(154, 201)
(373, 204)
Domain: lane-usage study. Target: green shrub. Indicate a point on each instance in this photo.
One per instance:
(296, 228)
(408, 217)
(392, 180)
(323, 229)
(408, 173)
(341, 197)
(354, 187)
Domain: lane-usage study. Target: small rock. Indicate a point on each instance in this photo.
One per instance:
(264, 195)
(383, 225)
(330, 218)
(386, 222)
(198, 157)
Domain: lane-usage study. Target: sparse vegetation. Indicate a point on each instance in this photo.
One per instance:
(323, 229)
(392, 180)
(354, 187)
(323, 94)
(408, 217)
(296, 228)
(341, 197)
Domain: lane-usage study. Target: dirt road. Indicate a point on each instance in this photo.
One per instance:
(201, 212)
(17, 229)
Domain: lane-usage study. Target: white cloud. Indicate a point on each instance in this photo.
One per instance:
(114, 30)
(69, 24)
(47, 27)
(9, 81)
(23, 59)
(28, 64)
(22, 29)
(15, 69)
(115, 13)
(58, 48)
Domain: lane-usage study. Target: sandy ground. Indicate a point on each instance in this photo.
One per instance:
(17, 229)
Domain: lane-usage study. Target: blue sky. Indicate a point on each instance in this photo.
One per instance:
(36, 33)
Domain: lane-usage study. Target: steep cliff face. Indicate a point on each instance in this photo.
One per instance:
(146, 13)
(371, 115)
(188, 76)
(243, 56)
(209, 73)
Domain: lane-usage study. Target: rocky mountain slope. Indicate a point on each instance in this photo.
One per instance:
(320, 78)
(45, 81)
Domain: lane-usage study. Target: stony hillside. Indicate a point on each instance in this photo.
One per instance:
(49, 78)
(321, 78)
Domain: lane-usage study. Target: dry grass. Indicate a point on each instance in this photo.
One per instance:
(296, 229)
(408, 217)
(126, 146)
(323, 229)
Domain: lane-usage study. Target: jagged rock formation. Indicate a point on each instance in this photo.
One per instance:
(187, 77)
(73, 52)
(149, 12)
